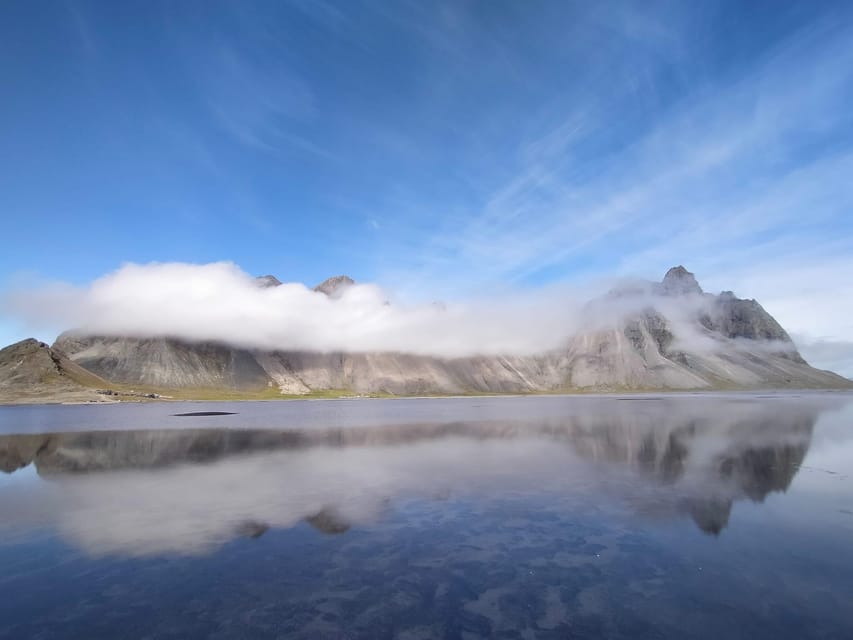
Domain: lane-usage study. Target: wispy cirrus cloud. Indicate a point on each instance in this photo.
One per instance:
(257, 106)
(741, 162)
(746, 181)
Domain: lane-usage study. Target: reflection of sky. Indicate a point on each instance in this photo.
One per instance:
(828, 467)
(27, 475)
(832, 447)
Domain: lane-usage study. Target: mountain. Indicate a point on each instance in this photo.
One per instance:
(30, 369)
(644, 336)
(706, 341)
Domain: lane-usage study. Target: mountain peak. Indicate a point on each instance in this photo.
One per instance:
(679, 281)
(334, 286)
(267, 281)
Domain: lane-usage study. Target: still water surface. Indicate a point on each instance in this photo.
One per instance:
(705, 516)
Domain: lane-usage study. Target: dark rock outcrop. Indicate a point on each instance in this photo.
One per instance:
(736, 318)
(679, 281)
(266, 282)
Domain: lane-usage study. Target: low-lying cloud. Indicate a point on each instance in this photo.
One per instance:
(220, 302)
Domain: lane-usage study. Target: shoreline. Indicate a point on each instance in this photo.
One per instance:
(141, 399)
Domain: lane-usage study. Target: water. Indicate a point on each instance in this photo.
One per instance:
(687, 516)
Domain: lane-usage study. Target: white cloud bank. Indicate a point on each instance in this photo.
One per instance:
(220, 302)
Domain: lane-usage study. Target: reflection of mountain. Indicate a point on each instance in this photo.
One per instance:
(328, 521)
(16, 452)
(760, 453)
(756, 472)
(190, 489)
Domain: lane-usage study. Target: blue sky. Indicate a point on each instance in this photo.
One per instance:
(437, 148)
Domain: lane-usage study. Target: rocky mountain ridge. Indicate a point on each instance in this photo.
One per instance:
(667, 335)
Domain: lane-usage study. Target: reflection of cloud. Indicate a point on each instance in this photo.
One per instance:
(664, 458)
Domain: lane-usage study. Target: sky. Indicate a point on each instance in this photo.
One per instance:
(441, 150)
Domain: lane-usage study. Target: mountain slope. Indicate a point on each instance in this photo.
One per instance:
(405, 374)
(165, 363)
(30, 369)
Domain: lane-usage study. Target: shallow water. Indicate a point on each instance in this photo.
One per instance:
(686, 516)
